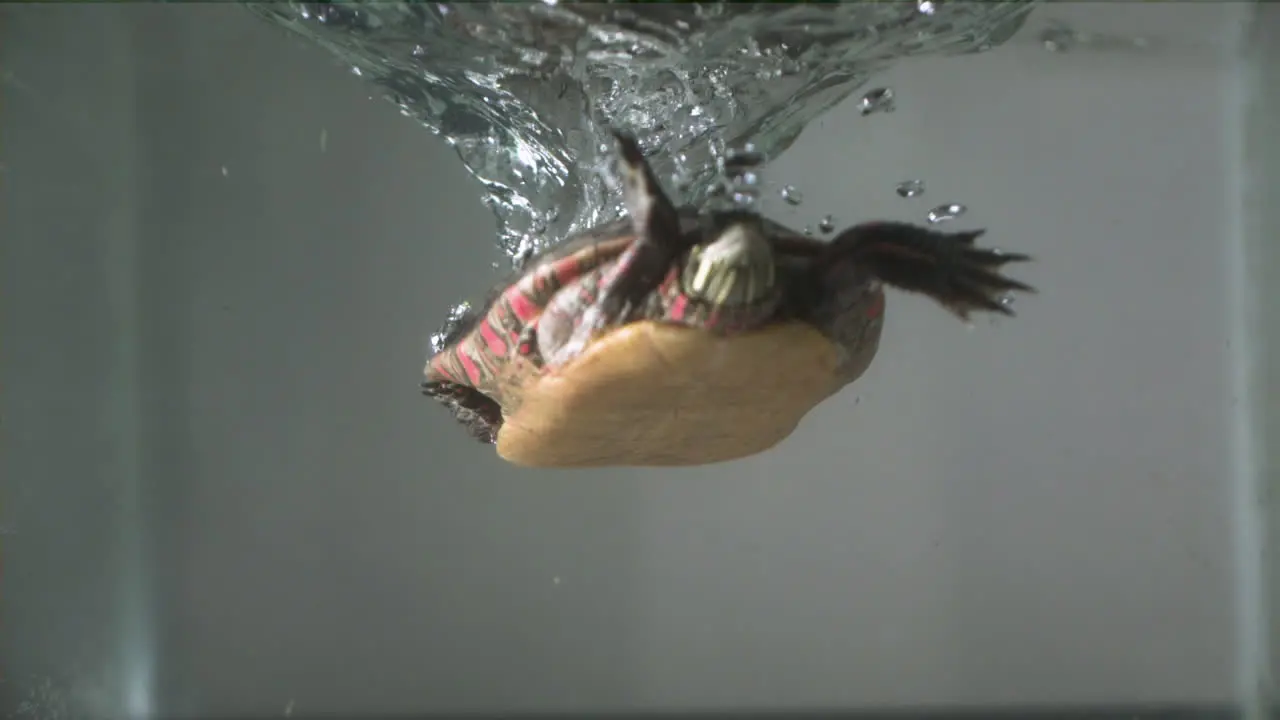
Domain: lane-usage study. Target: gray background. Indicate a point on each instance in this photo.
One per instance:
(224, 495)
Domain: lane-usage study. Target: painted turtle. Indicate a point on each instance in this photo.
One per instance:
(684, 337)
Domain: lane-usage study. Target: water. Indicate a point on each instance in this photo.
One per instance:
(739, 178)
(247, 461)
(792, 195)
(910, 188)
(456, 314)
(945, 212)
(526, 92)
(879, 100)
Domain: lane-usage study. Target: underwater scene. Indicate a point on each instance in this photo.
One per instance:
(892, 358)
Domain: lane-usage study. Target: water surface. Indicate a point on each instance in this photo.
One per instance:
(527, 92)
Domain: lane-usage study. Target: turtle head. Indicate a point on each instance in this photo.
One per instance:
(733, 266)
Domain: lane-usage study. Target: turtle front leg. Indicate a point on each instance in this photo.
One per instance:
(641, 268)
(947, 267)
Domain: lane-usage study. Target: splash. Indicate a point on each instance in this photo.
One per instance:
(527, 92)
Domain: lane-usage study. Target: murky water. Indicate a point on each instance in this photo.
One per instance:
(527, 92)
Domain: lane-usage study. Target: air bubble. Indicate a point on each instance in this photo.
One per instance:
(740, 176)
(792, 195)
(926, 7)
(1059, 38)
(527, 248)
(910, 188)
(739, 159)
(876, 101)
(456, 314)
(943, 213)
(827, 224)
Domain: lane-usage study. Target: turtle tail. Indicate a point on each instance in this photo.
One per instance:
(478, 414)
(947, 267)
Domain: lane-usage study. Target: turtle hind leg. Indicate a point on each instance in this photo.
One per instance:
(654, 218)
(655, 222)
(659, 242)
(474, 411)
(947, 267)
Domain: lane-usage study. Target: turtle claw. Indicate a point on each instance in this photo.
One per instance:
(947, 267)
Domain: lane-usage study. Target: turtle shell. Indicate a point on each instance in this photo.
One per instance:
(694, 383)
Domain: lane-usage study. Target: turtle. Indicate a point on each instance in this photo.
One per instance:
(682, 336)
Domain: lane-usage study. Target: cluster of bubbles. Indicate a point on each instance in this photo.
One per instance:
(527, 92)
(457, 314)
(740, 170)
(878, 100)
(739, 180)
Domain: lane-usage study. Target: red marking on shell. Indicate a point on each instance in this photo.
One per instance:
(472, 370)
(568, 269)
(525, 309)
(541, 283)
(491, 338)
(679, 307)
(441, 368)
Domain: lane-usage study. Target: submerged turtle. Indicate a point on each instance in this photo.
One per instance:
(684, 337)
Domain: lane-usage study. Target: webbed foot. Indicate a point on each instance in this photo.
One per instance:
(947, 267)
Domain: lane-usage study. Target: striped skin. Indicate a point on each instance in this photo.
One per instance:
(505, 330)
